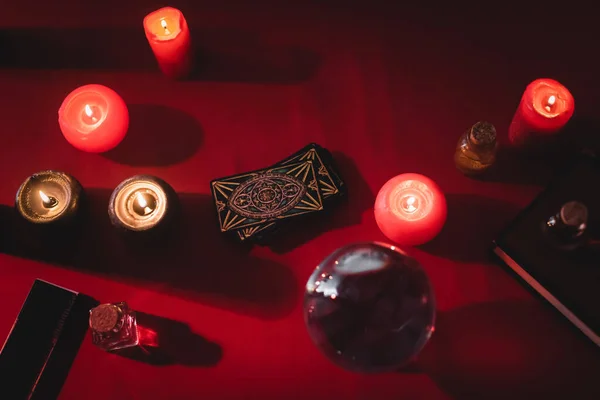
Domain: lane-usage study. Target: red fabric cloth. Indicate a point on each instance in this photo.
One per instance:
(389, 89)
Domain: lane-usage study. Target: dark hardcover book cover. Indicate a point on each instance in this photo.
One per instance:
(43, 342)
(567, 279)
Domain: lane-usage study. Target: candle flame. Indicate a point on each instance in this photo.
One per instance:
(550, 102)
(141, 201)
(44, 197)
(410, 204)
(88, 110)
(163, 23)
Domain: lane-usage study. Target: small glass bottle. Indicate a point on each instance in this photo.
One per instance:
(476, 149)
(113, 326)
(567, 228)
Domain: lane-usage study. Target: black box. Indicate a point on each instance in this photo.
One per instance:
(567, 279)
(43, 342)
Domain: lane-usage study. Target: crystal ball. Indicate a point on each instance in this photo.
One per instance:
(369, 307)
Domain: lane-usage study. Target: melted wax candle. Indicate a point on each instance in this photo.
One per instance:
(93, 118)
(410, 209)
(545, 108)
(169, 37)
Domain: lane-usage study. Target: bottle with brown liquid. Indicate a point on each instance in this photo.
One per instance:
(476, 149)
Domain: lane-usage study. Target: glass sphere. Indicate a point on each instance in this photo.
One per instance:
(369, 307)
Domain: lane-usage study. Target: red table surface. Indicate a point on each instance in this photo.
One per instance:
(389, 89)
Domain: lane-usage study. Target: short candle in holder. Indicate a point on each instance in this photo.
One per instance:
(48, 197)
(545, 108)
(93, 118)
(140, 203)
(169, 37)
(410, 209)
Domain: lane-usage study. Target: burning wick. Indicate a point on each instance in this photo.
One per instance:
(90, 113)
(48, 201)
(143, 204)
(409, 204)
(550, 103)
(163, 23)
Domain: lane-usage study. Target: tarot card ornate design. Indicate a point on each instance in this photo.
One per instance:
(329, 182)
(331, 185)
(262, 197)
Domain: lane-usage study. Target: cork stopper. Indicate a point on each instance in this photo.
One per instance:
(104, 318)
(483, 134)
(574, 214)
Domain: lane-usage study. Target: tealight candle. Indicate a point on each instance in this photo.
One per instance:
(48, 196)
(93, 118)
(169, 37)
(140, 203)
(545, 107)
(410, 209)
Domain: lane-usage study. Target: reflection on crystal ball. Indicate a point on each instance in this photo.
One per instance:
(369, 307)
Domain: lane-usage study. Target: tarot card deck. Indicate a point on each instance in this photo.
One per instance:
(254, 205)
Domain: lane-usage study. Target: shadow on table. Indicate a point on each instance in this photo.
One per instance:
(510, 349)
(221, 55)
(158, 136)
(473, 223)
(345, 212)
(545, 156)
(518, 167)
(193, 260)
(167, 342)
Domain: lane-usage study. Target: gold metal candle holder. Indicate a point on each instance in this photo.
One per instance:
(140, 203)
(48, 197)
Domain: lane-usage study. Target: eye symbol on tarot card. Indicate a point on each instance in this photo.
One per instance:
(266, 196)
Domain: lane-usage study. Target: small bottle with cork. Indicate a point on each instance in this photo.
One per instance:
(567, 229)
(114, 326)
(476, 149)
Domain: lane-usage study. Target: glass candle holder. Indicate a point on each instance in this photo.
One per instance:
(141, 203)
(49, 197)
(369, 307)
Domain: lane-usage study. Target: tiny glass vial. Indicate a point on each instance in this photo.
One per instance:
(476, 149)
(113, 326)
(567, 228)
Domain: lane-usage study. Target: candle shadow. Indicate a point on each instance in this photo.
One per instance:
(518, 167)
(165, 342)
(546, 156)
(510, 349)
(192, 260)
(473, 223)
(76, 48)
(581, 134)
(344, 212)
(155, 135)
(227, 55)
(220, 55)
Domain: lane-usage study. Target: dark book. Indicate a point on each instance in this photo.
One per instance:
(566, 274)
(43, 342)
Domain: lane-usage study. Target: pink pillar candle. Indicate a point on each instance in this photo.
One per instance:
(169, 37)
(545, 107)
(93, 118)
(410, 209)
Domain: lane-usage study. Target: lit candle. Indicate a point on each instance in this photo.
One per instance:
(140, 203)
(410, 209)
(48, 196)
(93, 118)
(546, 106)
(169, 37)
